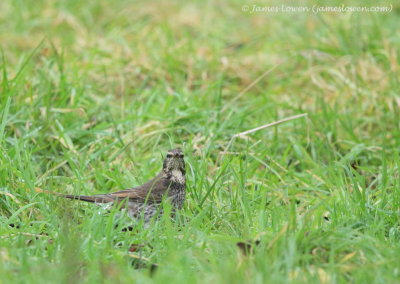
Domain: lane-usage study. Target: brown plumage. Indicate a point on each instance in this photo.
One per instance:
(169, 184)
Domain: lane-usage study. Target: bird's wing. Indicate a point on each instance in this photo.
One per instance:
(152, 191)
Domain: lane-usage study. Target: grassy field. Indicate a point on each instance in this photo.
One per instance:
(93, 93)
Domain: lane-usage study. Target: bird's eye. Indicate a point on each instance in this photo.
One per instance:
(169, 156)
(181, 155)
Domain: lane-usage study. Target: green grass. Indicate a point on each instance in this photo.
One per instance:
(93, 93)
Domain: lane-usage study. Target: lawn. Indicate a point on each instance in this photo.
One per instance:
(93, 94)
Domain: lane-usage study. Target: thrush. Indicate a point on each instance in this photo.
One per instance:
(145, 200)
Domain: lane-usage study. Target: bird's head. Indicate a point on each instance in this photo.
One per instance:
(174, 161)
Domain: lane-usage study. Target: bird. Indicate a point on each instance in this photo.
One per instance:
(146, 200)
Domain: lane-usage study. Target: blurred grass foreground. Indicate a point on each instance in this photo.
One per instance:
(92, 94)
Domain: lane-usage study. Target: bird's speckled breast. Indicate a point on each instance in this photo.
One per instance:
(178, 197)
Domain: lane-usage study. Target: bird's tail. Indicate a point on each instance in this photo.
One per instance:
(93, 199)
